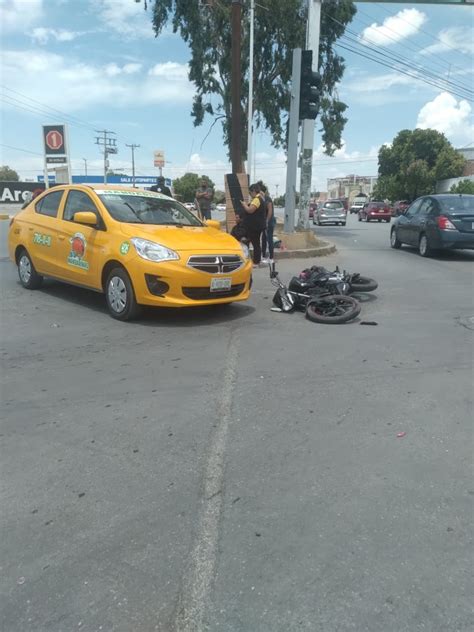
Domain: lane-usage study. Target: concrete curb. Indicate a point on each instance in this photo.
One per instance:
(324, 249)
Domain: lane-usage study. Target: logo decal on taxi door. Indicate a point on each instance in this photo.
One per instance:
(78, 251)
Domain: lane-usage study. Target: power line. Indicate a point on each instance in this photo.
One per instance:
(27, 151)
(409, 45)
(434, 37)
(426, 77)
(403, 72)
(442, 83)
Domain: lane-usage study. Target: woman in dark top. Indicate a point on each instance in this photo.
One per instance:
(267, 234)
(254, 220)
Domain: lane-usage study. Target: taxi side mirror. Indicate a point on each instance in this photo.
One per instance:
(85, 217)
(213, 223)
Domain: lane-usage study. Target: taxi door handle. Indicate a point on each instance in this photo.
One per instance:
(61, 237)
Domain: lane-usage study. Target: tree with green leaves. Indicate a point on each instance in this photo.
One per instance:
(8, 175)
(280, 26)
(185, 187)
(465, 186)
(414, 162)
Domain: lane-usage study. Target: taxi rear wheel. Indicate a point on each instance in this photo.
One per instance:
(120, 296)
(29, 278)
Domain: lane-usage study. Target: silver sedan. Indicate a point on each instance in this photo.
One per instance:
(330, 213)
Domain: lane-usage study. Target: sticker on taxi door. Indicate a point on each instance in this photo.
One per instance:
(78, 250)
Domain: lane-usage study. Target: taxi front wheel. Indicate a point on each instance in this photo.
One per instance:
(29, 278)
(120, 296)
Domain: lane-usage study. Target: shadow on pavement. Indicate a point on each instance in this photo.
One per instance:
(466, 256)
(164, 317)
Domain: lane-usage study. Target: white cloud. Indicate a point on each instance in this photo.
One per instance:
(169, 70)
(42, 35)
(74, 85)
(460, 38)
(449, 116)
(395, 28)
(20, 15)
(125, 17)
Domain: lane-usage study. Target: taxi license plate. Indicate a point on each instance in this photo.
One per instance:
(220, 285)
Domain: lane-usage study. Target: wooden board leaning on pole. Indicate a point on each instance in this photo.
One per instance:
(236, 189)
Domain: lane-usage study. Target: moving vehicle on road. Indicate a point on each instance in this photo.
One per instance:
(137, 247)
(436, 222)
(378, 211)
(331, 212)
(358, 203)
(400, 207)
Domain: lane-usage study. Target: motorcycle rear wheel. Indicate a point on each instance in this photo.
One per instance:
(332, 309)
(363, 284)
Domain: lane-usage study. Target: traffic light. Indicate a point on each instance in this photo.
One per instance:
(310, 84)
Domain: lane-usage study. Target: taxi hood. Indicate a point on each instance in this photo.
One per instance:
(185, 238)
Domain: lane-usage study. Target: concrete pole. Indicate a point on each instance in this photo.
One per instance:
(307, 140)
(292, 154)
(250, 108)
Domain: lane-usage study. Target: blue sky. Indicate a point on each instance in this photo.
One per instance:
(98, 65)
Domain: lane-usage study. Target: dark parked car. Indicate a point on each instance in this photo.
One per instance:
(436, 222)
(400, 207)
(331, 212)
(375, 211)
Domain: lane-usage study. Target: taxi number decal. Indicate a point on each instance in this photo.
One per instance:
(42, 240)
(124, 247)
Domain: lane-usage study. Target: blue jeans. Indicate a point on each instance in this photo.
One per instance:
(267, 238)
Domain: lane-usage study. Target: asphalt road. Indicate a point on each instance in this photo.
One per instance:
(238, 469)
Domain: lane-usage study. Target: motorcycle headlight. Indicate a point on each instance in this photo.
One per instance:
(152, 251)
(245, 250)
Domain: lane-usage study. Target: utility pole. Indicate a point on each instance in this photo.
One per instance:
(277, 185)
(236, 78)
(250, 109)
(133, 147)
(109, 146)
(292, 153)
(307, 138)
(85, 165)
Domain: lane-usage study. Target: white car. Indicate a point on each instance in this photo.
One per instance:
(220, 207)
(190, 206)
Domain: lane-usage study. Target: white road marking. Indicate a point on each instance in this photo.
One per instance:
(197, 583)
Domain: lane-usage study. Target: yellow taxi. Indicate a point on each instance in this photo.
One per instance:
(137, 247)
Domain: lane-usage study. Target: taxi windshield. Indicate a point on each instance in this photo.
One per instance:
(134, 208)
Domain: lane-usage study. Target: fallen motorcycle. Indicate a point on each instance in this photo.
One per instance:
(321, 305)
(337, 282)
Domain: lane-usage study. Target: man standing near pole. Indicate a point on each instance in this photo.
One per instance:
(204, 197)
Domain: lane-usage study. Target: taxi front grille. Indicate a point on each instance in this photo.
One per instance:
(216, 264)
(204, 293)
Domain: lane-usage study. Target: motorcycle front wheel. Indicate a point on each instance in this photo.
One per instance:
(332, 309)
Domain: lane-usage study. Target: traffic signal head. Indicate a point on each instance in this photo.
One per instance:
(310, 87)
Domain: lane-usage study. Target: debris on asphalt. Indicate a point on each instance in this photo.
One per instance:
(401, 434)
(368, 322)
(55, 325)
(20, 581)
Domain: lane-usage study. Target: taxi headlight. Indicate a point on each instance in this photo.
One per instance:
(152, 251)
(245, 250)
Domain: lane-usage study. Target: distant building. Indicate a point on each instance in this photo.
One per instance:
(349, 186)
(468, 153)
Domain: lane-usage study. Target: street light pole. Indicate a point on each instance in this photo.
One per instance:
(85, 165)
(250, 108)
(236, 78)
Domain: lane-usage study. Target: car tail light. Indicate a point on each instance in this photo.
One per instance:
(444, 223)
